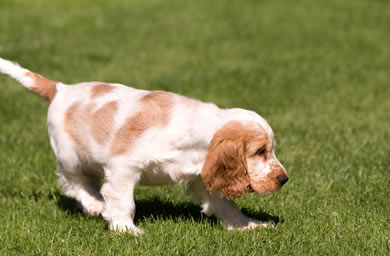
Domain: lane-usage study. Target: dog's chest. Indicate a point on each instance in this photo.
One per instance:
(180, 170)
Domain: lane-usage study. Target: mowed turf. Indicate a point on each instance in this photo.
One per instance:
(318, 71)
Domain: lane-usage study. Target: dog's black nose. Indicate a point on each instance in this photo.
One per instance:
(283, 179)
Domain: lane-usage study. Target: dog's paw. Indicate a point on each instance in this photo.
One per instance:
(126, 227)
(251, 224)
(94, 208)
(255, 224)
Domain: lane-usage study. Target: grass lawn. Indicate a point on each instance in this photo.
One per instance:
(318, 71)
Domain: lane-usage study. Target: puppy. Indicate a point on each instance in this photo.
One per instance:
(108, 138)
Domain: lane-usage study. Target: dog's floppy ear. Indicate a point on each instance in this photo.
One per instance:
(225, 169)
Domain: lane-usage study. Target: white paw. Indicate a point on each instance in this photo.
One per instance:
(126, 227)
(252, 224)
(94, 208)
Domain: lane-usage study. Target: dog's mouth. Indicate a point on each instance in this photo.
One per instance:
(264, 188)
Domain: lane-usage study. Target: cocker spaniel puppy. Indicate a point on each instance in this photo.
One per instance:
(108, 138)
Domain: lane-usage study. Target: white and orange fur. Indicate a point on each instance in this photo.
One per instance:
(108, 138)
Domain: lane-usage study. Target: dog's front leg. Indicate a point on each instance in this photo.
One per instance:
(118, 193)
(225, 210)
(228, 212)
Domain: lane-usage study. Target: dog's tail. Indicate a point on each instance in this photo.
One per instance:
(32, 81)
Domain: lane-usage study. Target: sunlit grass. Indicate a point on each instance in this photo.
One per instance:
(318, 71)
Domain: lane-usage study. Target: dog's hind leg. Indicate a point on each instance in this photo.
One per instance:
(118, 194)
(84, 187)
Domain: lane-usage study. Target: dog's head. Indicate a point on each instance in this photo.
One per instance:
(241, 159)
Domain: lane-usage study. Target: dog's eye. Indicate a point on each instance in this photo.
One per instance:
(260, 151)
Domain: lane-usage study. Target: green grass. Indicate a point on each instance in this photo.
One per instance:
(318, 71)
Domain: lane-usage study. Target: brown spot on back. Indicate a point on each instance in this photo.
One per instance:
(154, 112)
(100, 89)
(156, 105)
(82, 122)
(44, 87)
(102, 122)
(74, 128)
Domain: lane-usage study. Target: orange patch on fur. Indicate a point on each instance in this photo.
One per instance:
(225, 169)
(80, 123)
(102, 122)
(74, 127)
(100, 89)
(154, 112)
(44, 87)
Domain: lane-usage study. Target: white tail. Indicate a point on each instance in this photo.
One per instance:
(30, 80)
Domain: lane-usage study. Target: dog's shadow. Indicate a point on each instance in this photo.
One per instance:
(154, 208)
